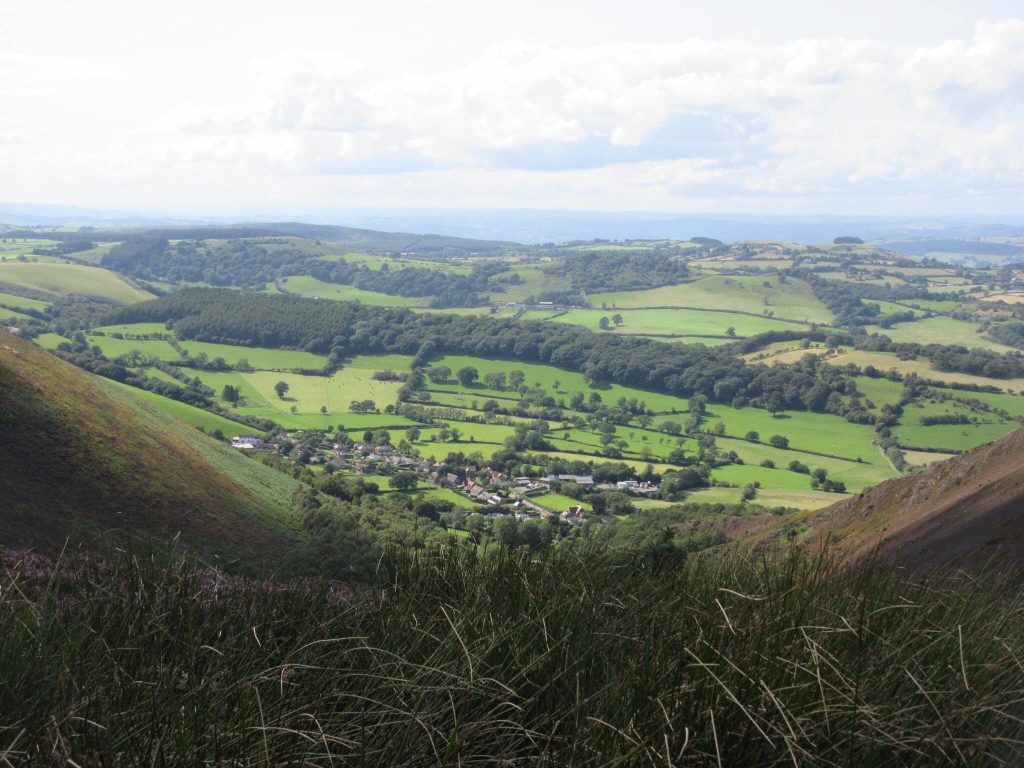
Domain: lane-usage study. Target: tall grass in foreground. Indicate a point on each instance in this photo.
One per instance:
(570, 658)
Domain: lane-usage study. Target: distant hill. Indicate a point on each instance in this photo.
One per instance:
(964, 511)
(362, 239)
(78, 456)
(951, 246)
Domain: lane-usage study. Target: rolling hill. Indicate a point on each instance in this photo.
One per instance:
(350, 236)
(964, 512)
(78, 456)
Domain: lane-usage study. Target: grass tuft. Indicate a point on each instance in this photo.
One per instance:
(462, 656)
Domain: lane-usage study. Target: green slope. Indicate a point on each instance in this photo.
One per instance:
(78, 455)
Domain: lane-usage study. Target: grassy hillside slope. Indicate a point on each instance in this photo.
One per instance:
(79, 456)
(968, 510)
(72, 278)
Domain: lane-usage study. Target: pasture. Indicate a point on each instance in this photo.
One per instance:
(71, 278)
(547, 377)
(676, 321)
(261, 358)
(792, 300)
(114, 348)
(815, 432)
(134, 329)
(940, 330)
(309, 393)
(20, 302)
(951, 437)
(304, 285)
(558, 502)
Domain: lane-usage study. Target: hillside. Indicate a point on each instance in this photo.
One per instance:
(78, 456)
(965, 511)
(353, 237)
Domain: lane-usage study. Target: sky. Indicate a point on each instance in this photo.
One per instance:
(901, 107)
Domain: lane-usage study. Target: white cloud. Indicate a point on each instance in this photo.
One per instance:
(610, 125)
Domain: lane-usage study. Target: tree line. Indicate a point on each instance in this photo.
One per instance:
(252, 264)
(341, 329)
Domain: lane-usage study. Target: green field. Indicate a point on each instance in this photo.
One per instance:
(546, 376)
(766, 497)
(135, 329)
(72, 278)
(819, 432)
(303, 285)
(677, 321)
(939, 330)
(951, 437)
(793, 300)
(261, 358)
(1012, 404)
(20, 302)
(776, 479)
(114, 348)
(557, 502)
(534, 282)
(196, 417)
(309, 393)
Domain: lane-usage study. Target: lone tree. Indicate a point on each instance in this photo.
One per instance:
(778, 441)
(467, 375)
(617, 319)
(281, 388)
(603, 324)
(403, 481)
(439, 373)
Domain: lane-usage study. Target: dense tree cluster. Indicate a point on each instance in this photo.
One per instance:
(1011, 334)
(600, 271)
(847, 299)
(253, 263)
(343, 329)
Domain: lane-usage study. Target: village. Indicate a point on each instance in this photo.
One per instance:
(487, 491)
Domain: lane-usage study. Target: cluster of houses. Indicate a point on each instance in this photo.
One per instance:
(486, 486)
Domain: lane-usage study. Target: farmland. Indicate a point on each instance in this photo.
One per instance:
(852, 457)
(792, 300)
(940, 330)
(691, 322)
(310, 286)
(71, 278)
(725, 300)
